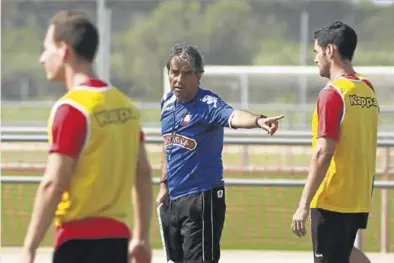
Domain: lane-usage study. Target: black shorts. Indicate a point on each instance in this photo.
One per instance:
(92, 251)
(192, 226)
(333, 234)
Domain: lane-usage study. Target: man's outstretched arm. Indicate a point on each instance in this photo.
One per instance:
(247, 120)
(221, 114)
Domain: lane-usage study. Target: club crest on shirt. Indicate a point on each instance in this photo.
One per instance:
(186, 120)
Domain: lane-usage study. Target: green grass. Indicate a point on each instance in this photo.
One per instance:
(257, 217)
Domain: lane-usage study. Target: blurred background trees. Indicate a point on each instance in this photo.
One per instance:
(227, 32)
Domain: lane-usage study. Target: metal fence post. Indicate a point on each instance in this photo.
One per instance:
(384, 228)
(245, 105)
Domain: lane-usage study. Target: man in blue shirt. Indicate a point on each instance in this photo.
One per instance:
(192, 187)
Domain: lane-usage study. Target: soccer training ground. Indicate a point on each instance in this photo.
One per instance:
(258, 218)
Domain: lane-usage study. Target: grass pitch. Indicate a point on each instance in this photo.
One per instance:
(257, 217)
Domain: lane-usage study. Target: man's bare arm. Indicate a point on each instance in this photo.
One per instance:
(162, 196)
(56, 180)
(163, 166)
(142, 196)
(244, 119)
(248, 120)
(320, 163)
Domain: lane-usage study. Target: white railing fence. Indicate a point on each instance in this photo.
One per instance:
(156, 131)
(384, 184)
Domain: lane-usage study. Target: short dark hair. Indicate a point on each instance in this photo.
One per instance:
(190, 53)
(75, 29)
(339, 34)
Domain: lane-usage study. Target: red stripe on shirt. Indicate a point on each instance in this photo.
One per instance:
(69, 131)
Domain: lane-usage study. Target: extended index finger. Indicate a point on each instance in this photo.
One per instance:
(276, 118)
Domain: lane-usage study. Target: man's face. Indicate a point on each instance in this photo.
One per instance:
(183, 80)
(322, 61)
(52, 56)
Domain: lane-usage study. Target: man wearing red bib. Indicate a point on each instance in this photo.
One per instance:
(97, 159)
(344, 129)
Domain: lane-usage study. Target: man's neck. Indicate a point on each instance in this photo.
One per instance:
(75, 77)
(344, 68)
(189, 99)
(184, 100)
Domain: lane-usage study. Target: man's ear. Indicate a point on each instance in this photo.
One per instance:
(64, 51)
(330, 50)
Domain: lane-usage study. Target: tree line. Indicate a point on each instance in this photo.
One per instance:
(232, 32)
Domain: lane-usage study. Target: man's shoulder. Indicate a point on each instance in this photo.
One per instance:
(67, 101)
(167, 101)
(124, 98)
(347, 82)
(329, 92)
(208, 99)
(204, 93)
(361, 77)
(366, 81)
(167, 96)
